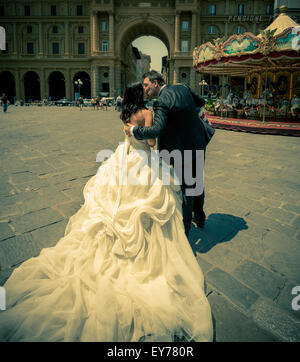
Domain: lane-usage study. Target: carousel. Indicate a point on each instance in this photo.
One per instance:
(268, 62)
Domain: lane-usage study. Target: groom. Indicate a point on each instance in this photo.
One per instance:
(177, 126)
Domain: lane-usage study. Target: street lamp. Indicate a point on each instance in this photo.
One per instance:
(79, 83)
(202, 84)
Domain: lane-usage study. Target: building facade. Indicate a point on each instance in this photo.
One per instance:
(51, 44)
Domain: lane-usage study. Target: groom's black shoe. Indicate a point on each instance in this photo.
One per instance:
(199, 222)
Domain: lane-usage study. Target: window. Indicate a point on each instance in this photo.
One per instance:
(53, 10)
(30, 48)
(55, 48)
(184, 45)
(79, 10)
(1, 10)
(29, 29)
(269, 9)
(27, 10)
(241, 9)
(212, 9)
(212, 29)
(54, 30)
(185, 25)
(80, 48)
(80, 29)
(104, 26)
(105, 46)
(239, 29)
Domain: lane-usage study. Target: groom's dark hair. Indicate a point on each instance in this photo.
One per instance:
(154, 75)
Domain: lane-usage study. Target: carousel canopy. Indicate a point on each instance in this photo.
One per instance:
(276, 47)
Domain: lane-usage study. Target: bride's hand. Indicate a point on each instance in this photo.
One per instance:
(127, 128)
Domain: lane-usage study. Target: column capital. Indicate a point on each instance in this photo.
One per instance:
(178, 12)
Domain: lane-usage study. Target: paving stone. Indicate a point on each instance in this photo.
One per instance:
(223, 258)
(204, 264)
(292, 207)
(287, 264)
(230, 325)
(49, 235)
(5, 231)
(279, 215)
(16, 250)
(238, 293)
(248, 246)
(35, 220)
(273, 319)
(5, 274)
(70, 208)
(259, 279)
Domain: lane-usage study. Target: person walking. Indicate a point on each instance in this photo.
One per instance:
(4, 102)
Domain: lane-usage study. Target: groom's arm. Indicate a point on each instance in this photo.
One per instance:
(161, 110)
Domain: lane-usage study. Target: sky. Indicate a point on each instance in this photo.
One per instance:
(154, 47)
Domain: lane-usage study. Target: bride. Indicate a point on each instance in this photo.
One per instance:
(124, 270)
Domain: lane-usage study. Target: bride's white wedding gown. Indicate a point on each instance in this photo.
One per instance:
(124, 270)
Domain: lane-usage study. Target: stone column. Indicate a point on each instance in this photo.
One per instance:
(67, 39)
(194, 31)
(111, 80)
(69, 85)
(94, 28)
(22, 88)
(193, 79)
(254, 29)
(15, 48)
(226, 29)
(118, 79)
(18, 84)
(227, 9)
(176, 75)
(111, 33)
(171, 73)
(176, 32)
(95, 81)
(42, 84)
(41, 45)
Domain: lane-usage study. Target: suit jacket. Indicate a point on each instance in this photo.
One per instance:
(176, 121)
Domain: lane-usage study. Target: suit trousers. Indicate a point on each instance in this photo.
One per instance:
(192, 204)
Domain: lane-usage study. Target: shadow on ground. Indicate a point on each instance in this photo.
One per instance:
(219, 228)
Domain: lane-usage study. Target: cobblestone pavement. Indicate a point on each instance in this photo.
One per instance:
(249, 249)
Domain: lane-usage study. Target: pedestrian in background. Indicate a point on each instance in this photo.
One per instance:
(4, 101)
(80, 103)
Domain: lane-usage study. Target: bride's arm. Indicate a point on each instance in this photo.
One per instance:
(148, 123)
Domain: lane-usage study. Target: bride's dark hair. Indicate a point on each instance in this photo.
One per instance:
(133, 101)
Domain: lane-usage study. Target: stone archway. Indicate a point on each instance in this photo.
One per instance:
(57, 86)
(32, 88)
(85, 88)
(135, 28)
(7, 85)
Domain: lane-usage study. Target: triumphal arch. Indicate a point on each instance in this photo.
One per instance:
(128, 20)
